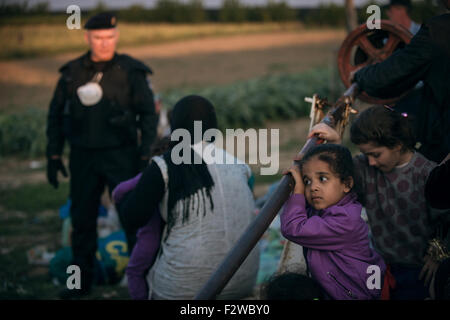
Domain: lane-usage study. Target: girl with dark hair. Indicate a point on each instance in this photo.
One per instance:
(205, 208)
(324, 216)
(393, 178)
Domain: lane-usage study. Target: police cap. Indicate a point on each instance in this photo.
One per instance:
(104, 20)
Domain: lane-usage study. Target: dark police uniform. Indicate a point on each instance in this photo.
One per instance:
(103, 138)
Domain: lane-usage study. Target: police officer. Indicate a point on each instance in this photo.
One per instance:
(101, 101)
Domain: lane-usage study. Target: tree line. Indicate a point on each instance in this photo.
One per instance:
(193, 11)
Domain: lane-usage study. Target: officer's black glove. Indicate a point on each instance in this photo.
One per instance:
(53, 166)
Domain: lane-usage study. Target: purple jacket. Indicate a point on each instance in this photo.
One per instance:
(143, 256)
(146, 248)
(338, 252)
(124, 187)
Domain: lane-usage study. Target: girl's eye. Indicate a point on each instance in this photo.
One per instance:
(307, 182)
(323, 179)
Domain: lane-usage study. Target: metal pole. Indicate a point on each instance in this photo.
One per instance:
(247, 242)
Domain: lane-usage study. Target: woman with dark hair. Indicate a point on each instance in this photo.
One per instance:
(205, 208)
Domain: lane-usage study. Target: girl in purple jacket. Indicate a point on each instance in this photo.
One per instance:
(324, 216)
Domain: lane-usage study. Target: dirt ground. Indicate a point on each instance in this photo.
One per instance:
(201, 62)
(204, 62)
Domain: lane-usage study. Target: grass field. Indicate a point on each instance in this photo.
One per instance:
(194, 57)
(20, 41)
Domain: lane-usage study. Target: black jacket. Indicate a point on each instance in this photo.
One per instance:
(426, 58)
(127, 104)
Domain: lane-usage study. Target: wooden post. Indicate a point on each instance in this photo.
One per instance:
(351, 15)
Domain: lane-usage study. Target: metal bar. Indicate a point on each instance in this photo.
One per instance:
(246, 243)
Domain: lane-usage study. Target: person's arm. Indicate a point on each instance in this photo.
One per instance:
(325, 132)
(143, 103)
(143, 256)
(124, 187)
(401, 70)
(55, 135)
(141, 203)
(329, 233)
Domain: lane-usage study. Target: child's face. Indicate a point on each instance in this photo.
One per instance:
(323, 188)
(383, 158)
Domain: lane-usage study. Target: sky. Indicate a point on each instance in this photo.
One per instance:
(61, 5)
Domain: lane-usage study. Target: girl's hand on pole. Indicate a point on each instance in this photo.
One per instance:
(325, 132)
(296, 174)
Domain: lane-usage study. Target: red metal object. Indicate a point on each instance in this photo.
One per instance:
(364, 47)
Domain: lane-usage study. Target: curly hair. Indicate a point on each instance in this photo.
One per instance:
(337, 157)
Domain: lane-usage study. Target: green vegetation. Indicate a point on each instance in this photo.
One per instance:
(327, 15)
(23, 133)
(49, 198)
(21, 41)
(173, 11)
(242, 104)
(17, 284)
(193, 11)
(250, 103)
